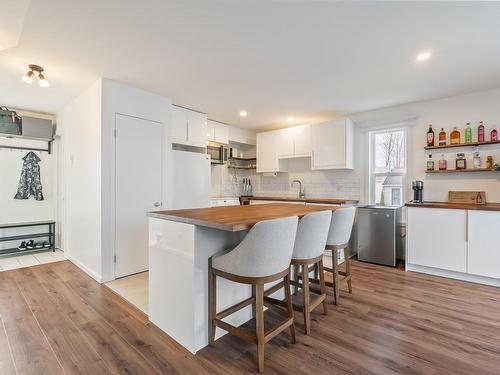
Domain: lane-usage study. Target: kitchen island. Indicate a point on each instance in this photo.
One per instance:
(180, 245)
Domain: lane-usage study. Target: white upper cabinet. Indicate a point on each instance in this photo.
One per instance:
(302, 140)
(211, 130)
(188, 127)
(179, 125)
(197, 128)
(267, 158)
(244, 136)
(483, 252)
(294, 142)
(333, 145)
(217, 132)
(221, 133)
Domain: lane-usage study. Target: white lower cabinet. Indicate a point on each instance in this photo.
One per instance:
(484, 247)
(437, 238)
(464, 241)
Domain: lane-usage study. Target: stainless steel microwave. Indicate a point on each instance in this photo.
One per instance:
(218, 152)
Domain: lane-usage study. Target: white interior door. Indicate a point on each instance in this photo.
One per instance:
(138, 189)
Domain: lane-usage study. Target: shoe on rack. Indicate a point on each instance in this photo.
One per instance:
(38, 245)
(45, 244)
(30, 245)
(22, 246)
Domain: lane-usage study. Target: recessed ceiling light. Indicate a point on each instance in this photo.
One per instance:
(424, 56)
(243, 113)
(290, 118)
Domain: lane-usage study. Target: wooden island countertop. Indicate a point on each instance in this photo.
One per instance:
(236, 218)
(246, 200)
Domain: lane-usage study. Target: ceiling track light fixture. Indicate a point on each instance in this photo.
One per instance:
(28, 77)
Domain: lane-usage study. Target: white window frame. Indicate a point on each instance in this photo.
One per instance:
(371, 171)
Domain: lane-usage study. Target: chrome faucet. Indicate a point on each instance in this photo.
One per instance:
(302, 193)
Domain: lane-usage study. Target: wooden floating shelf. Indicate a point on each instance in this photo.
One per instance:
(462, 170)
(244, 159)
(462, 145)
(239, 167)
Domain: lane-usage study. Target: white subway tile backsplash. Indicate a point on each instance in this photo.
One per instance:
(333, 184)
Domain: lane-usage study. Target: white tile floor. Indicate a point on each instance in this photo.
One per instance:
(134, 289)
(19, 261)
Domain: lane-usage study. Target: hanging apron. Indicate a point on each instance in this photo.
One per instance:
(29, 182)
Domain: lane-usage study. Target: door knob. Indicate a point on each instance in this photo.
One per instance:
(157, 204)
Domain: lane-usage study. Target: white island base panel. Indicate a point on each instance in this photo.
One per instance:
(178, 281)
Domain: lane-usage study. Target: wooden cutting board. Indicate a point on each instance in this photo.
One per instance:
(471, 197)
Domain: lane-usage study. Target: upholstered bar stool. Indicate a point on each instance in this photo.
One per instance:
(338, 240)
(308, 250)
(262, 257)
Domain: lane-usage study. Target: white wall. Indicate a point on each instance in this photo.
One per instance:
(447, 112)
(14, 210)
(120, 98)
(79, 122)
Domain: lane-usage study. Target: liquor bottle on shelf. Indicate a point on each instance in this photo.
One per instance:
(430, 163)
(489, 162)
(461, 162)
(477, 159)
(468, 133)
(430, 136)
(442, 164)
(455, 136)
(442, 137)
(494, 135)
(480, 132)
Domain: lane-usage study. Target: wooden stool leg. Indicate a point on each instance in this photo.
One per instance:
(335, 275)
(212, 305)
(348, 268)
(295, 278)
(289, 307)
(307, 302)
(253, 304)
(259, 307)
(323, 286)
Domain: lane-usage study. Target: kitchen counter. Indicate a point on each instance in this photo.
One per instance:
(247, 199)
(181, 242)
(236, 218)
(457, 206)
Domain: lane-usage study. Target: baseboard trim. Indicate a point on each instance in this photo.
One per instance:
(84, 268)
(453, 275)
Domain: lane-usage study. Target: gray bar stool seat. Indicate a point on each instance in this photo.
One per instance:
(262, 257)
(308, 250)
(338, 240)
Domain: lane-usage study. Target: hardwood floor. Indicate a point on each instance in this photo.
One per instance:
(54, 319)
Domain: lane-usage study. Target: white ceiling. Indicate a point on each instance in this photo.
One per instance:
(307, 59)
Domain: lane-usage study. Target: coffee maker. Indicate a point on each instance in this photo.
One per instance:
(418, 191)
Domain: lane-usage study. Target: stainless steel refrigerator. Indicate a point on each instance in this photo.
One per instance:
(379, 235)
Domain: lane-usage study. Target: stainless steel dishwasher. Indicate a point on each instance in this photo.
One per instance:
(378, 234)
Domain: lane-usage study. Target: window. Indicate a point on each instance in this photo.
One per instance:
(387, 166)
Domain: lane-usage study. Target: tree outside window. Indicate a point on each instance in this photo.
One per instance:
(387, 166)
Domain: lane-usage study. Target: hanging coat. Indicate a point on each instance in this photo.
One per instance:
(29, 183)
